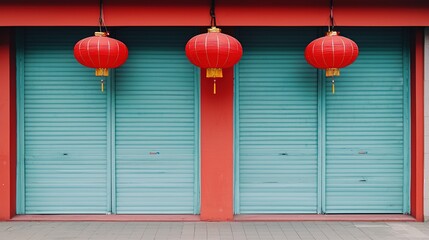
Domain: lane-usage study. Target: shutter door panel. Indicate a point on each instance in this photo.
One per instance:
(278, 119)
(156, 125)
(365, 127)
(64, 127)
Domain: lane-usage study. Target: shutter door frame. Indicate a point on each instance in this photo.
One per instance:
(20, 173)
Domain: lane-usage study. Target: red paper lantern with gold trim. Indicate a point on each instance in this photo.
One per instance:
(100, 52)
(331, 52)
(213, 51)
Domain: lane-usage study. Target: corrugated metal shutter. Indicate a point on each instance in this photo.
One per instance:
(277, 123)
(64, 127)
(365, 124)
(156, 124)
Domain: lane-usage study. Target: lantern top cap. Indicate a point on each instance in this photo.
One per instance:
(100, 34)
(332, 33)
(214, 30)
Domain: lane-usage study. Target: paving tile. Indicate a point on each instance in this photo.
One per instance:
(340, 229)
(276, 231)
(315, 231)
(328, 231)
(237, 230)
(289, 231)
(379, 231)
(355, 232)
(250, 231)
(302, 231)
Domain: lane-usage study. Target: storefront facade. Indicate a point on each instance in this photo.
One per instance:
(272, 140)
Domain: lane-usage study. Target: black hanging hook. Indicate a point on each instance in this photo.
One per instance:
(331, 17)
(213, 14)
(101, 19)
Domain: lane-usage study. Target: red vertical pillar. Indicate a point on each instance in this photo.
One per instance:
(7, 125)
(417, 126)
(217, 147)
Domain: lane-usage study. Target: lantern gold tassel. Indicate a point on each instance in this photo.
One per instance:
(102, 72)
(214, 73)
(102, 85)
(333, 86)
(330, 72)
(214, 86)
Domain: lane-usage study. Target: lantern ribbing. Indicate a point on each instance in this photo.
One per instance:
(100, 52)
(213, 50)
(331, 52)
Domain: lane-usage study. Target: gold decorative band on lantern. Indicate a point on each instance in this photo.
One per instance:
(214, 73)
(100, 34)
(332, 33)
(214, 30)
(102, 72)
(330, 72)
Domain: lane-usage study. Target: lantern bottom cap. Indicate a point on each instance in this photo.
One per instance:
(214, 73)
(102, 72)
(330, 72)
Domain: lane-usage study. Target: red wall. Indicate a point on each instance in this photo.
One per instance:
(7, 126)
(217, 147)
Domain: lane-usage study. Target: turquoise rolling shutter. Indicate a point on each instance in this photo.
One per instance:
(277, 119)
(363, 144)
(64, 120)
(156, 124)
(366, 127)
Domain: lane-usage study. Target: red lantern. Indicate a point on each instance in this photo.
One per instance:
(100, 52)
(331, 53)
(214, 51)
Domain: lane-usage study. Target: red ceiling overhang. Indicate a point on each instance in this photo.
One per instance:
(229, 13)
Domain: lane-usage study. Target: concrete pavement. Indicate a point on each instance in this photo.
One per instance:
(213, 230)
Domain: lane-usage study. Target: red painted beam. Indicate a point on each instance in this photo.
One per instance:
(229, 13)
(417, 126)
(217, 148)
(7, 126)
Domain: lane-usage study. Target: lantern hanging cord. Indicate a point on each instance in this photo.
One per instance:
(101, 19)
(331, 17)
(213, 14)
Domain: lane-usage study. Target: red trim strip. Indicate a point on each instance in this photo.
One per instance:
(417, 126)
(239, 218)
(109, 218)
(315, 217)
